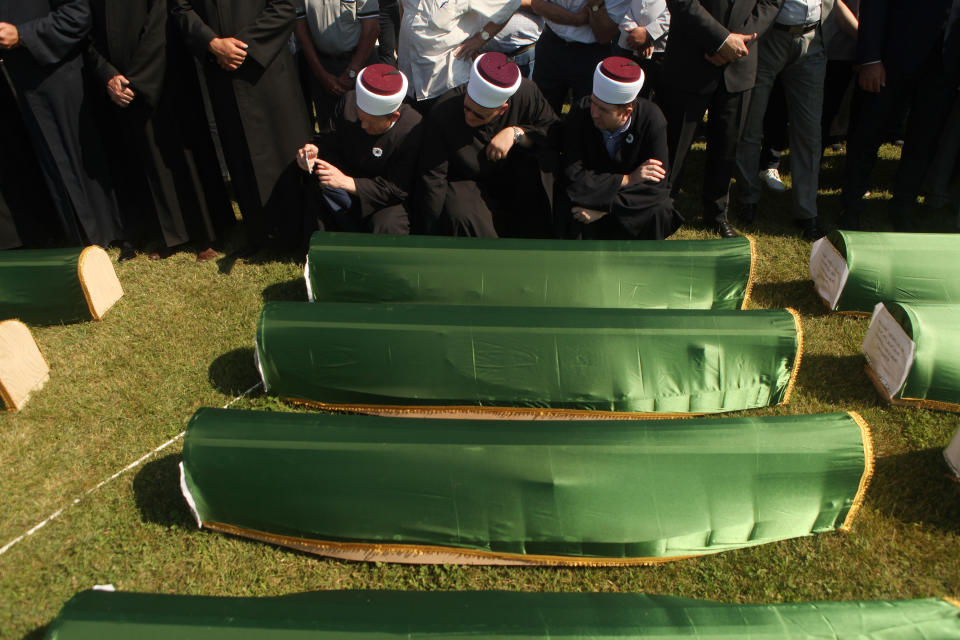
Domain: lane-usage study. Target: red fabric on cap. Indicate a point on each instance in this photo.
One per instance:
(382, 79)
(498, 69)
(621, 69)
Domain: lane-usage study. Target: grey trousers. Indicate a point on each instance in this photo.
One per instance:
(801, 63)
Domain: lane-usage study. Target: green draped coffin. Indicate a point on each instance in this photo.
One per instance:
(913, 354)
(492, 615)
(679, 274)
(415, 359)
(522, 492)
(852, 270)
(50, 286)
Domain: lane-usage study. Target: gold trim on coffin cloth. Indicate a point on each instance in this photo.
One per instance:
(869, 466)
(486, 413)
(916, 403)
(952, 601)
(797, 359)
(751, 276)
(431, 554)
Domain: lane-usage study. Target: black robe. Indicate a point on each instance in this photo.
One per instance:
(382, 166)
(464, 193)
(184, 193)
(46, 73)
(259, 108)
(592, 178)
(27, 216)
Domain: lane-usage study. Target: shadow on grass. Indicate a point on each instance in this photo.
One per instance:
(259, 256)
(36, 634)
(917, 488)
(797, 294)
(293, 290)
(156, 489)
(837, 380)
(234, 372)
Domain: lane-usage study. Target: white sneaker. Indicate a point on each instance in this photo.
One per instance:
(771, 178)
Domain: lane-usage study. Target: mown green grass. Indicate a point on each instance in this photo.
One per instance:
(182, 338)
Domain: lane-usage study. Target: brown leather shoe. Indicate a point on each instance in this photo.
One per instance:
(206, 255)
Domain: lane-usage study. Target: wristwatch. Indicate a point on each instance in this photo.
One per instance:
(484, 35)
(517, 134)
(351, 74)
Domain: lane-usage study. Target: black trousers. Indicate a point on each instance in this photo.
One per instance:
(515, 202)
(389, 32)
(775, 136)
(835, 84)
(566, 66)
(337, 210)
(323, 102)
(926, 94)
(684, 112)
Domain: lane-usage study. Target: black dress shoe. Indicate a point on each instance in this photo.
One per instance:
(747, 212)
(721, 226)
(127, 252)
(811, 228)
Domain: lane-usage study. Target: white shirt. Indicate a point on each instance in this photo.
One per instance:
(522, 30)
(583, 33)
(794, 13)
(651, 14)
(430, 32)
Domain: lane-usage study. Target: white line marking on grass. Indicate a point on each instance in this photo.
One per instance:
(56, 514)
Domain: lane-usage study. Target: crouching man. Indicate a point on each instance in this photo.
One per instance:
(364, 168)
(481, 169)
(614, 161)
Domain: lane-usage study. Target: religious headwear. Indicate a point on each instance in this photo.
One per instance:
(380, 89)
(493, 80)
(617, 80)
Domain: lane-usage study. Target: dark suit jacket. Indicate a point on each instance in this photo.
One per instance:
(698, 28)
(901, 33)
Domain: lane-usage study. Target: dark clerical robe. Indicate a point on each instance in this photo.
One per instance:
(592, 178)
(259, 107)
(46, 73)
(382, 166)
(465, 193)
(27, 216)
(164, 135)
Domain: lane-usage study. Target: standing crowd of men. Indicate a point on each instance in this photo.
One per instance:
(119, 119)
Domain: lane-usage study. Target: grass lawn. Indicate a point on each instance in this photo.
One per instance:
(182, 338)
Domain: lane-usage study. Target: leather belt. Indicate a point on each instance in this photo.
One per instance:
(569, 44)
(797, 29)
(524, 49)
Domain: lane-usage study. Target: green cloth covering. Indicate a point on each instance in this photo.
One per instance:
(42, 286)
(679, 274)
(897, 267)
(491, 615)
(381, 356)
(522, 492)
(934, 378)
